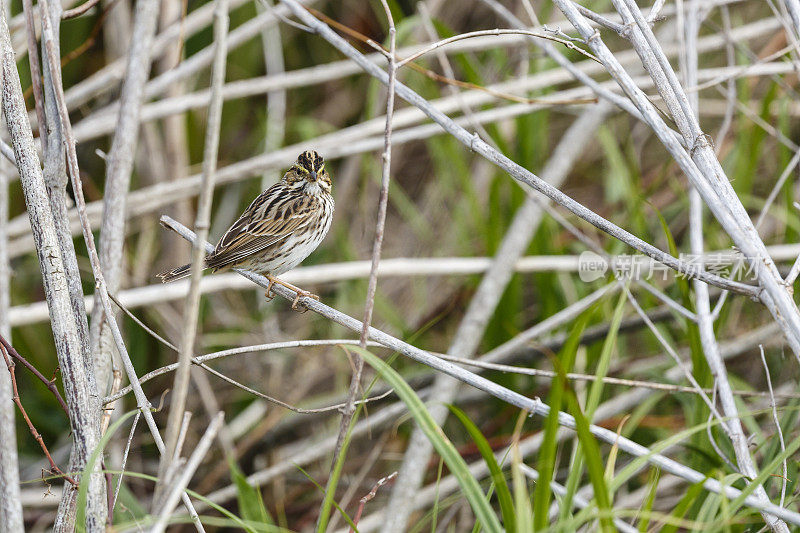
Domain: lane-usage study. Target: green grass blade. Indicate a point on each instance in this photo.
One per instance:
(458, 467)
(251, 504)
(500, 484)
(603, 364)
(333, 502)
(522, 498)
(83, 486)
(595, 393)
(197, 496)
(771, 468)
(435, 511)
(330, 491)
(542, 495)
(689, 499)
(592, 457)
(647, 505)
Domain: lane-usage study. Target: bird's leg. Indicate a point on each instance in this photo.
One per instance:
(269, 294)
(299, 293)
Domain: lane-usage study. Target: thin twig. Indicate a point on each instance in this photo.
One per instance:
(377, 245)
(668, 387)
(658, 5)
(793, 273)
(36, 73)
(128, 444)
(371, 494)
(481, 33)
(337, 407)
(235, 351)
(48, 383)
(80, 10)
(116, 383)
(54, 469)
(74, 171)
(202, 224)
(533, 405)
(731, 91)
(777, 422)
(671, 351)
(601, 20)
(10, 496)
(175, 491)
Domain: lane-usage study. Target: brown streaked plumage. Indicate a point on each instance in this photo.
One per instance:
(282, 226)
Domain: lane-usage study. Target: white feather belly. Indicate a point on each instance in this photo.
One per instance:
(301, 247)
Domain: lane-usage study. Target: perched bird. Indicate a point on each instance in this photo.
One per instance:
(282, 226)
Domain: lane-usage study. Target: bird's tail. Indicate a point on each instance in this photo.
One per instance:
(181, 272)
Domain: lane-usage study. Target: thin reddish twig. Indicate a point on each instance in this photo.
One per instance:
(54, 469)
(360, 37)
(48, 383)
(90, 40)
(371, 494)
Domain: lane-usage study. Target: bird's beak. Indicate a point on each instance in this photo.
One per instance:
(313, 176)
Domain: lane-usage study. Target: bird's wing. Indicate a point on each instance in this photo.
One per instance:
(269, 219)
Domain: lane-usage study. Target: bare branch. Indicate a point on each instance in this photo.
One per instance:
(72, 160)
(10, 498)
(533, 405)
(776, 421)
(176, 490)
(202, 223)
(481, 33)
(85, 422)
(80, 10)
(377, 245)
(119, 165)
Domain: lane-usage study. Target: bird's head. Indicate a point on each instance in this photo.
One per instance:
(309, 172)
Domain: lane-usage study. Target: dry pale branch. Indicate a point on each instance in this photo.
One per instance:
(173, 493)
(700, 165)
(80, 10)
(119, 166)
(202, 224)
(533, 405)
(52, 61)
(10, 498)
(377, 245)
(84, 421)
(494, 32)
(482, 306)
